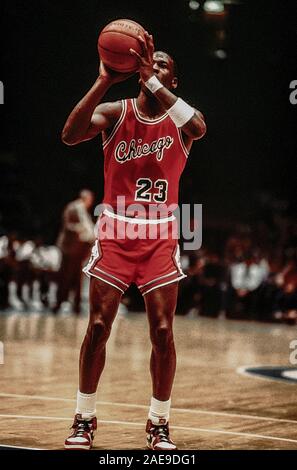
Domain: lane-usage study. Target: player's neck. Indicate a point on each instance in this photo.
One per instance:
(148, 106)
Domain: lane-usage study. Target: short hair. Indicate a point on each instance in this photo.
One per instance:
(85, 193)
(175, 69)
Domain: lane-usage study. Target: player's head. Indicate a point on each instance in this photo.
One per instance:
(165, 69)
(87, 197)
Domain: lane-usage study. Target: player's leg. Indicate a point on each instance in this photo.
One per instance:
(160, 306)
(64, 281)
(104, 302)
(83, 250)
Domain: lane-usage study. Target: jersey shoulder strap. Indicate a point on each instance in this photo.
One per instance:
(109, 138)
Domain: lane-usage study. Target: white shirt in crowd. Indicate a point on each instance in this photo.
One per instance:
(47, 258)
(249, 277)
(3, 247)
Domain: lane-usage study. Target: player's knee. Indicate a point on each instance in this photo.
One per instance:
(162, 337)
(99, 330)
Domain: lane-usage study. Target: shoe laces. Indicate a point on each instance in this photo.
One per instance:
(81, 427)
(162, 432)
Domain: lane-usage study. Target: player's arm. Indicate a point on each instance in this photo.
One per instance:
(68, 220)
(187, 136)
(188, 119)
(90, 116)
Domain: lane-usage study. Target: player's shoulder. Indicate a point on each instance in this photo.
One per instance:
(110, 108)
(72, 205)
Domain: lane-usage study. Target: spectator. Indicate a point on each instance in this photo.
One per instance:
(246, 278)
(211, 286)
(23, 272)
(46, 262)
(5, 272)
(286, 298)
(190, 294)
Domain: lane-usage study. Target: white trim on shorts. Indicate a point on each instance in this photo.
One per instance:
(104, 280)
(135, 220)
(110, 275)
(177, 259)
(157, 279)
(165, 284)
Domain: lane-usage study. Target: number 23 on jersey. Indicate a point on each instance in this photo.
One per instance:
(147, 190)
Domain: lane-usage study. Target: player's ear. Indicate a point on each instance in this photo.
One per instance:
(174, 83)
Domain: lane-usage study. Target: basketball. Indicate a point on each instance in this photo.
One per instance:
(114, 44)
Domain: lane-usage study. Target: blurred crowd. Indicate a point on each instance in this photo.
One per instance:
(244, 283)
(247, 272)
(37, 277)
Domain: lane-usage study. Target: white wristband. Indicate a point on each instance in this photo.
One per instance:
(153, 84)
(181, 112)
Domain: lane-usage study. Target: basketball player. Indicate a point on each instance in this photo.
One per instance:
(146, 142)
(74, 240)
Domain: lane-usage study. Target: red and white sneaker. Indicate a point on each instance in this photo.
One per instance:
(82, 435)
(158, 436)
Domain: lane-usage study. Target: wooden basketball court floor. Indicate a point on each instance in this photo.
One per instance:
(213, 405)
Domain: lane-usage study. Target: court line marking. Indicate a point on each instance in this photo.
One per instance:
(182, 428)
(20, 447)
(144, 407)
(242, 371)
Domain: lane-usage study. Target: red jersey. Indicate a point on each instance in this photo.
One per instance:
(143, 160)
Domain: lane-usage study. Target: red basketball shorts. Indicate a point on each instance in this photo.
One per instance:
(135, 250)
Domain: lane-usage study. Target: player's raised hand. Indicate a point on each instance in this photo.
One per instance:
(111, 75)
(145, 60)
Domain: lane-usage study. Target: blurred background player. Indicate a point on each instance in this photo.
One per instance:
(74, 241)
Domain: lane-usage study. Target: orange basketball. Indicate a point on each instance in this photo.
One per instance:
(114, 44)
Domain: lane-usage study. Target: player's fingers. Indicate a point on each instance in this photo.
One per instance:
(138, 56)
(151, 46)
(152, 41)
(149, 39)
(143, 44)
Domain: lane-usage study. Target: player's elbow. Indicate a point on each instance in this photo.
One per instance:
(197, 130)
(200, 131)
(67, 138)
(198, 126)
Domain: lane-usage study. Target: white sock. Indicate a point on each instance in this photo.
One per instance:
(159, 410)
(86, 405)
